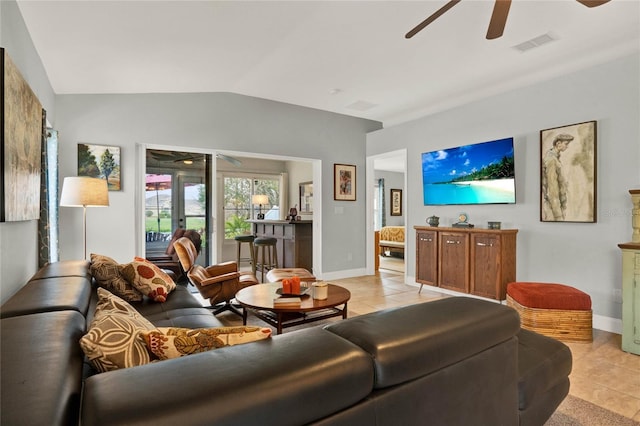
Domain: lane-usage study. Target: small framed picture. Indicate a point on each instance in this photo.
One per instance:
(100, 161)
(306, 197)
(344, 182)
(396, 202)
(568, 173)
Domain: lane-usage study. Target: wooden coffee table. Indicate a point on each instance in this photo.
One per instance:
(259, 300)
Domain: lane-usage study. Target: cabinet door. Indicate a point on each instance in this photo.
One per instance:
(486, 265)
(427, 257)
(631, 301)
(453, 259)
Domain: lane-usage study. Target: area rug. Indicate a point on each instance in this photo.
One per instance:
(231, 319)
(577, 412)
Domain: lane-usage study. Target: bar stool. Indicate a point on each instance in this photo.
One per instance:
(260, 245)
(240, 239)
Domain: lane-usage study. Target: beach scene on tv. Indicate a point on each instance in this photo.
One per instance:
(481, 173)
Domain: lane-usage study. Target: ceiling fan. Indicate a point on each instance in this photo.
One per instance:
(181, 157)
(498, 17)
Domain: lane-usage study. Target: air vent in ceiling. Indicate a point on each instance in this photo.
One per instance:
(534, 42)
(361, 105)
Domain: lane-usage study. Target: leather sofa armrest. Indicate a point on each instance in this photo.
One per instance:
(416, 340)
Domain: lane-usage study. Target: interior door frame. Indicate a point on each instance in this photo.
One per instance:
(409, 247)
(139, 210)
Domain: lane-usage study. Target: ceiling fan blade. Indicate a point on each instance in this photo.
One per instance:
(431, 18)
(228, 159)
(593, 3)
(498, 19)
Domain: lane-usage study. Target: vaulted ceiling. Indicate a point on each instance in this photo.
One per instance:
(346, 57)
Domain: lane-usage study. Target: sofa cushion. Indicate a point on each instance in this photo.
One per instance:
(148, 279)
(114, 340)
(41, 378)
(293, 379)
(50, 294)
(106, 272)
(65, 268)
(177, 299)
(169, 342)
(549, 296)
(404, 349)
(185, 318)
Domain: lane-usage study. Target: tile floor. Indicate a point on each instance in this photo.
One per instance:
(602, 373)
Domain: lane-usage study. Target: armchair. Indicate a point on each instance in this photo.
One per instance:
(169, 260)
(218, 283)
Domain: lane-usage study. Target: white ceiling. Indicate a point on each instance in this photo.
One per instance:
(346, 57)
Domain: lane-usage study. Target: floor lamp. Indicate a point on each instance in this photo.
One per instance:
(84, 192)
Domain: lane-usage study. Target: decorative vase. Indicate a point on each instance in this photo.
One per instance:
(433, 221)
(293, 212)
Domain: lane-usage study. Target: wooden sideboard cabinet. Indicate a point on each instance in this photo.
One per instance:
(469, 260)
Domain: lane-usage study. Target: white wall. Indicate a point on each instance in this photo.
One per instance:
(220, 121)
(392, 180)
(582, 255)
(298, 172)
(18, 240)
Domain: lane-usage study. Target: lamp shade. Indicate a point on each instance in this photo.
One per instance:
(259, 199)
(84, 191)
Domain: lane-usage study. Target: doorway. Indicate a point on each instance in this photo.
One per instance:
(387, 177)
(177, 196)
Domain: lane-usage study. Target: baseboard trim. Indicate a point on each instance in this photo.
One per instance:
(599, 322)
(339, 275)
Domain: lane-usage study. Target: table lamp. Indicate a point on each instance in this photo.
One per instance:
(259, 199)
(84, 192)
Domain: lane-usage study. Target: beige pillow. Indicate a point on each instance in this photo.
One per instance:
(106, 272)
(148, 279)
(168, 342)
(114, 338)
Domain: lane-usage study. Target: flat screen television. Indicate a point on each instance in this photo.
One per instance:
(481, 173)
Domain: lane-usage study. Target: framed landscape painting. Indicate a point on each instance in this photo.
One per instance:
(568, 173)
(100, 161)
(344, 182)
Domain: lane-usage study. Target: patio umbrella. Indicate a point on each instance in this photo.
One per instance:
(157, 183)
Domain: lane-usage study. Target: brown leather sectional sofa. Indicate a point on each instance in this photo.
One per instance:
(455, 361)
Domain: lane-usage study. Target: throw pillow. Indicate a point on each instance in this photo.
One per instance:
(148, 279)
(106, 272)
(167, 342)
(114, 338)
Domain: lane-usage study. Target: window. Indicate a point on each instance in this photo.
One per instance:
(238, 209)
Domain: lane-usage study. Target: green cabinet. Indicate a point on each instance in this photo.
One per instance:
(630, 297)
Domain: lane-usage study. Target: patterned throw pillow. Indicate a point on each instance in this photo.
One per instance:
(148, 279)
(106, 272)
(114, 339)
(168, 342)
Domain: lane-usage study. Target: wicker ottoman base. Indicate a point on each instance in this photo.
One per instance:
(564, 325)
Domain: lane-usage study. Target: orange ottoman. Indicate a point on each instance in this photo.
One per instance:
(555, 310)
